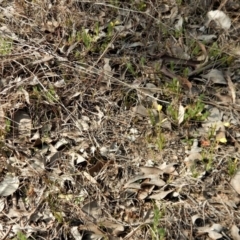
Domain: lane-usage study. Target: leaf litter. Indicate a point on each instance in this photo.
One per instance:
(119, 120)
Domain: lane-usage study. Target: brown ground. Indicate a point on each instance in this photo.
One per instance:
(119, 120)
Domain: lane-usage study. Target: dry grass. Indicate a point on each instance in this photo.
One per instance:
(90, 125)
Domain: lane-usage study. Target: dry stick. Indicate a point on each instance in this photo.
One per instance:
(8, 231)
(206, 67)
(222, 4)
(92, 70)
(106, 49)
(183, 81)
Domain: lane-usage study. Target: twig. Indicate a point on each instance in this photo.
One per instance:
(206, 67)
(5, 236)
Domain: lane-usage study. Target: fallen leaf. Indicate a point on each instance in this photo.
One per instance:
(181, 112)
(161, 195)
(235, 232)
(140, 109)
(93, 209)
(75, 233)
(93, 230)
(151, 170)
(9, 185)
(114, 228)
(215, 76)
(217, 227)
(154, 181)
(22, 123)
(235, 182)
(214, 235)
(232, 89)
(220, 18)
(197, 220)
(2, 204)
(144, 192)
(89, 177)
(207, 38)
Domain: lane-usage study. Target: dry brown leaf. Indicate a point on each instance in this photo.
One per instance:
(220, 18)
(92, 208)
(89, 177)
(134, 179)
(225, 99)
(221, 136)
(235, 232)
(151, 171)
(197, 220)
(154, 181)
(22, 123)
(75, 233)
(9, 185)
(161, 195)
(232, 89)
(133, 185)
(96, 168)
(114, 228)
(215, 76)
(146, 189)
(2, 120)
(214, 235)
(182, 80)
(43, 59)
(169, 168)
(140, 109)
(181, 112)
(90, 227)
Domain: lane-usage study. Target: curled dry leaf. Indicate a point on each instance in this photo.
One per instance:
(220, 18)
(197, 220)
(214, 235)
(161, 195)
